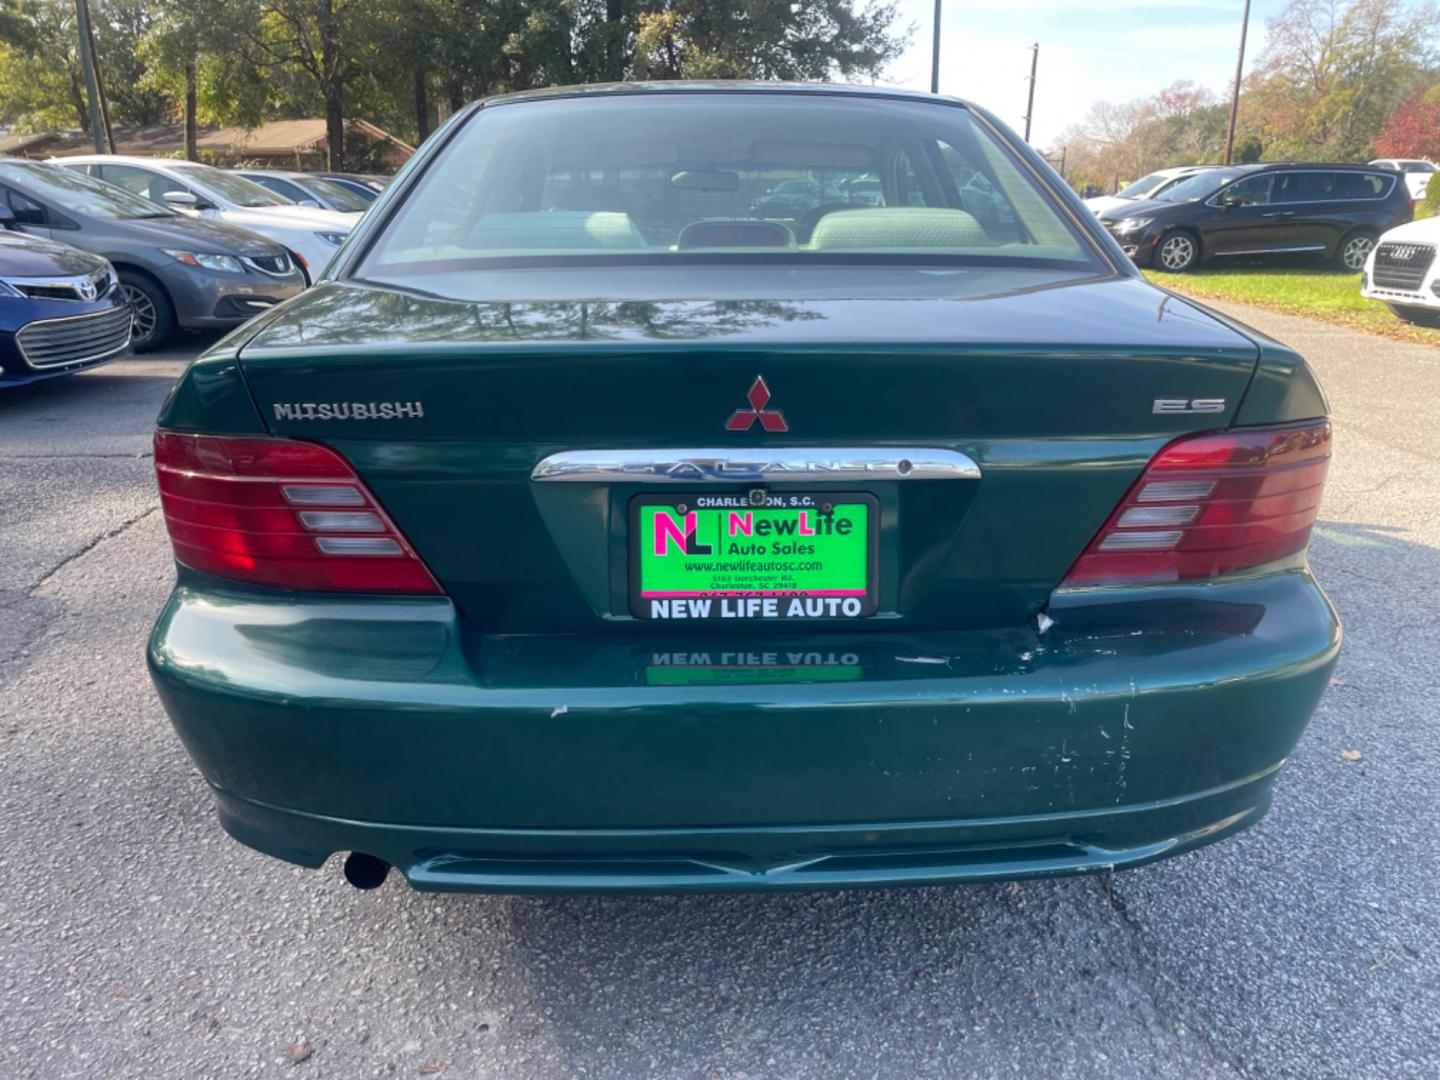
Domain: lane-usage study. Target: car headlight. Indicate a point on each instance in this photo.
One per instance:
(1132, 224)
(228, 263)
(335, 239)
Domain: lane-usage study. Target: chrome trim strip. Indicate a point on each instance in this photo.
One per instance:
(791, 464)
(98, 279)
(1287, 249)
(104, 332)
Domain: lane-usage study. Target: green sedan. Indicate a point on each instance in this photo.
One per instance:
(598, 524)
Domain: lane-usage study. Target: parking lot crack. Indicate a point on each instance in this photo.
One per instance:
(1162, 989)
(109, 534)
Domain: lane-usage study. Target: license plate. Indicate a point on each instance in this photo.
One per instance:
(776, 557)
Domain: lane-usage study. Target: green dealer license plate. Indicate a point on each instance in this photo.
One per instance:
(725, 557)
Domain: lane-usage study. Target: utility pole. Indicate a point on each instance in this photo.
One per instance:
(82, 16)
(99, 79)
(1235, 95)
(1030, 104)
(935, 53)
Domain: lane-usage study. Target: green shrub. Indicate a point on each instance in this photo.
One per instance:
(1430, 205)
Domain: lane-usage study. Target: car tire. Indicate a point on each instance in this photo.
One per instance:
(1177, 252)
(154, 317)
(1416, 316)
(1354, 248)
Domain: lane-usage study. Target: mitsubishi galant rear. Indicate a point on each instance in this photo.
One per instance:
(738, 486)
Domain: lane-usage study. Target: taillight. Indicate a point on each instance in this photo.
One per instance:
(280, 512)
(1213, 504)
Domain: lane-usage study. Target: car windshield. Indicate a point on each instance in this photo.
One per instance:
(1197, 187)
(1142, 187)
(339, 196)
(78, 193)
(729, 177)
(229, 187)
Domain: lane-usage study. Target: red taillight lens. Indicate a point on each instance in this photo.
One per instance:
(279, 512)
(1213, 504)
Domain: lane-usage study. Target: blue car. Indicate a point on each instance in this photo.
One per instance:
(61, 309)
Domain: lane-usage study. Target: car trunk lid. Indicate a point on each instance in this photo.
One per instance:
(1008, 414)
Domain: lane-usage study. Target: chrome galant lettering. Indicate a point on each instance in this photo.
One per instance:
(796, 464)
(350, 410)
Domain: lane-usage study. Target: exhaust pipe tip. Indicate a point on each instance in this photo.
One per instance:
(365, 871)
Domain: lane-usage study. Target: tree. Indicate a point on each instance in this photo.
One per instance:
(1183, 124)
(1413, 131)
(1333, 71)
(246, 61)
(120, 26)
(42, 83)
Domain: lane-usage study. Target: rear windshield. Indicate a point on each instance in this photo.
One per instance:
(696, 177)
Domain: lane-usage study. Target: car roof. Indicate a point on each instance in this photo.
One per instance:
(1328, 166)
(719, 86)
(121, 159)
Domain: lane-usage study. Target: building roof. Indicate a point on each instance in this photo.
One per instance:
(284, 137)
(24, 144)
(275, 139)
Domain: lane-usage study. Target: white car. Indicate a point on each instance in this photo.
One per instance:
(205, 191)
(1403, 270)
(1147, 187)
(1417, 173)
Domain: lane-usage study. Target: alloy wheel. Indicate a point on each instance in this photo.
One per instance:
(1357, 250)
(143, 310)
(1177, 252)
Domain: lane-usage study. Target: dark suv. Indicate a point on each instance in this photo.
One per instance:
(1270, 209)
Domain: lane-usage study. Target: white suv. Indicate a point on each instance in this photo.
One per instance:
(208, 192)
(1417, 173)
(1403, 270)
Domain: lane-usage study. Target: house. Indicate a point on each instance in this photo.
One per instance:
(280, 144)
(37, 145)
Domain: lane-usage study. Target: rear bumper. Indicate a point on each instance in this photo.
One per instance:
(1132, 730)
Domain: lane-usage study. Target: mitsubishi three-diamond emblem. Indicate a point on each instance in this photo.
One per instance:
(759, 397)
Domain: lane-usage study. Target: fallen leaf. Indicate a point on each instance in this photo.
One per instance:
(1351, 755)
(433, 1067)
(298, 1052)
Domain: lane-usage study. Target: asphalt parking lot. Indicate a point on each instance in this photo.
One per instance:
(138, 941)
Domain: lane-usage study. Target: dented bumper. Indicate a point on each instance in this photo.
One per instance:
(1143, 723)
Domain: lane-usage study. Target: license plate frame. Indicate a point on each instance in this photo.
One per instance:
(842, 602)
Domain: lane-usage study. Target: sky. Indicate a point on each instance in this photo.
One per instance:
(1090, 50)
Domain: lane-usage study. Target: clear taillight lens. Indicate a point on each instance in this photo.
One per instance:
(280, 512)
(1213, 504)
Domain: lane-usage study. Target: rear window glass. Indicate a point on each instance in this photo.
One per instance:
(735, 177)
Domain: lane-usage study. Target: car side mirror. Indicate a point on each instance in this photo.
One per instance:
(1229, 201)
(313, 204)
(7, 217)
(182, 200)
